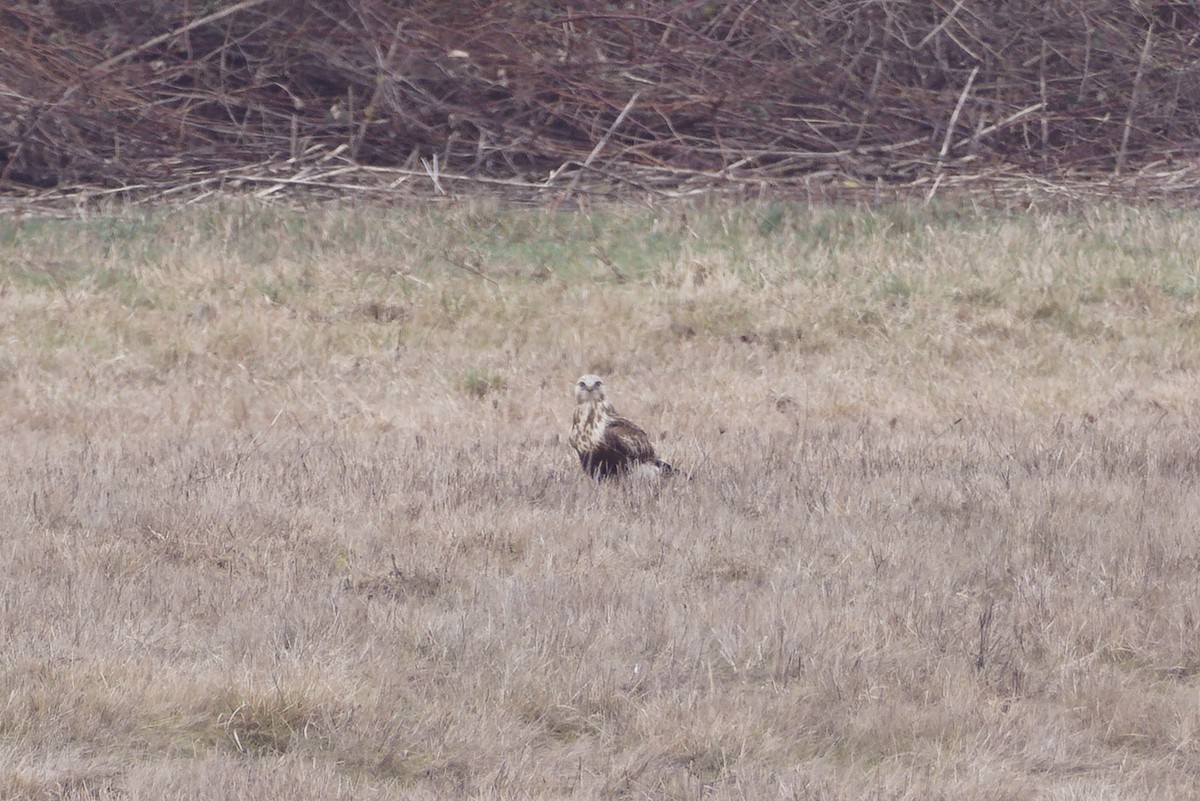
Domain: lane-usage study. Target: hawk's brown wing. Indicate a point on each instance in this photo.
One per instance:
(628, 441)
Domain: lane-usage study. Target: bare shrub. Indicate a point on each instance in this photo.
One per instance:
(656, 92)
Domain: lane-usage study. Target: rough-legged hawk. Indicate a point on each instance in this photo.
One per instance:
(609, 445)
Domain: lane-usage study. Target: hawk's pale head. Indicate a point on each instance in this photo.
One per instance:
(589, 389)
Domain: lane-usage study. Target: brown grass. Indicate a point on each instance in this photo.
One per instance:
(290, 513)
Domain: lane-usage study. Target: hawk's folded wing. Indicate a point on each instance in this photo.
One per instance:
(624, 438)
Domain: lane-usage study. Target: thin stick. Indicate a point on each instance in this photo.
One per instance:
(462, 264)
(433, 172)
(1045, 105)
(157, 40)
(1133, 100)
(945, 21)
(1009, 120)
(603, 141)
(937, 181)
(962, 99)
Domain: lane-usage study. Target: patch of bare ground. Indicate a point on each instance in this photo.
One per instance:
(289, 510)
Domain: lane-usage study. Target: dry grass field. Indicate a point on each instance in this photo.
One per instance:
(288, 510)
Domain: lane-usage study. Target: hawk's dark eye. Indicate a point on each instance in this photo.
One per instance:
(582, 385)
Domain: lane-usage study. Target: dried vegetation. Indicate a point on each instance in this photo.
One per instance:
(529, 99)
(289, 511)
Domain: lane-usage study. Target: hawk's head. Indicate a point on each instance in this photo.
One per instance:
(589, 389)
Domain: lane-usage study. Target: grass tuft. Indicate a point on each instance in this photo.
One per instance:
(479, 383)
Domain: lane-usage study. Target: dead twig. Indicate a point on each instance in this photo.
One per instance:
(600, 144)
(1134, 96)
